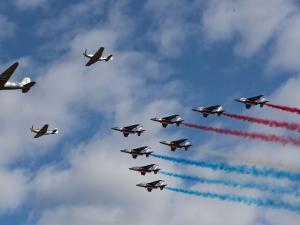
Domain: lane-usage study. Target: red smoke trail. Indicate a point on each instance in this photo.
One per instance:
(252, 135)
(284, 108)
(270, 123)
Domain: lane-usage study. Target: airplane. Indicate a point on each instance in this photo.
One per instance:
(182, 143)
(24, 85)
(97, 57)
(146, 169)
(165, 121)
(132, 129)
(43, 131)
(153, 185)
(256, 100)
(145, 150)
(216, 109)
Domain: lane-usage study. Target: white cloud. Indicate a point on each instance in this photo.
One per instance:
(251, 24)
(172, 27)
(286, 53)
(7, 27)
(14, 187)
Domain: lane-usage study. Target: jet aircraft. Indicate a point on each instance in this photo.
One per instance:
(24, 85)
(216, 109)
(153, 185)
(146, 169)
(97, 57)
(256, 100)
(165, 121)
(145, 150)
(43, 131)
(132, 129)
(182, 143)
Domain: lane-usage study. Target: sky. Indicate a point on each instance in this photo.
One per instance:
(169, 57)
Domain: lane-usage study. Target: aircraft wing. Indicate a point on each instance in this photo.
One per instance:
(4, 77)
(255, 98)
(42, 131)
(95, 57)
(170, 117)
(212, 107)
(179, 141)
(147, 167)
(139, 149)
(153, 183)
(132, 126)
(98, 54)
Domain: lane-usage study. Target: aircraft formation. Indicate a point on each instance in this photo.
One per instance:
(177, 120)
(26, 84)
(173, 144)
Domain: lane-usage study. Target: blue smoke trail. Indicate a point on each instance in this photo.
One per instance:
(240, 199)
(237, 184)
(241, 169)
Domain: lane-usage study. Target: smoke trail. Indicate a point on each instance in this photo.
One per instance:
(284, 108)
(240, 169)
(243, 159)
(252, 135)
(237, 184)
(270, 123)
(240, 199)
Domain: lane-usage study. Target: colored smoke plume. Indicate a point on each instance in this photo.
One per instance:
(252, 135)
(290, 190)
(270, 123)
(276, 204)
(284, 108)
(239, 169)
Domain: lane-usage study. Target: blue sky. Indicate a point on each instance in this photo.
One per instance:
(170, 56)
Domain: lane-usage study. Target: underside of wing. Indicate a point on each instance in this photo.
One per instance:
(170, 117)
(98, 54)
(4, 77)
(38, 135)
(42, 131)
(255, 98)
(211, 107)
(131, 127)
(179, 141)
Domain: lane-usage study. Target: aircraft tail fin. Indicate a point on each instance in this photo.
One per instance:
(26, 84)
(110, 57)
(85, 53)
(31, 129)
(55, 131)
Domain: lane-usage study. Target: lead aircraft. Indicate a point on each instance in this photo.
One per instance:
(24, 85)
